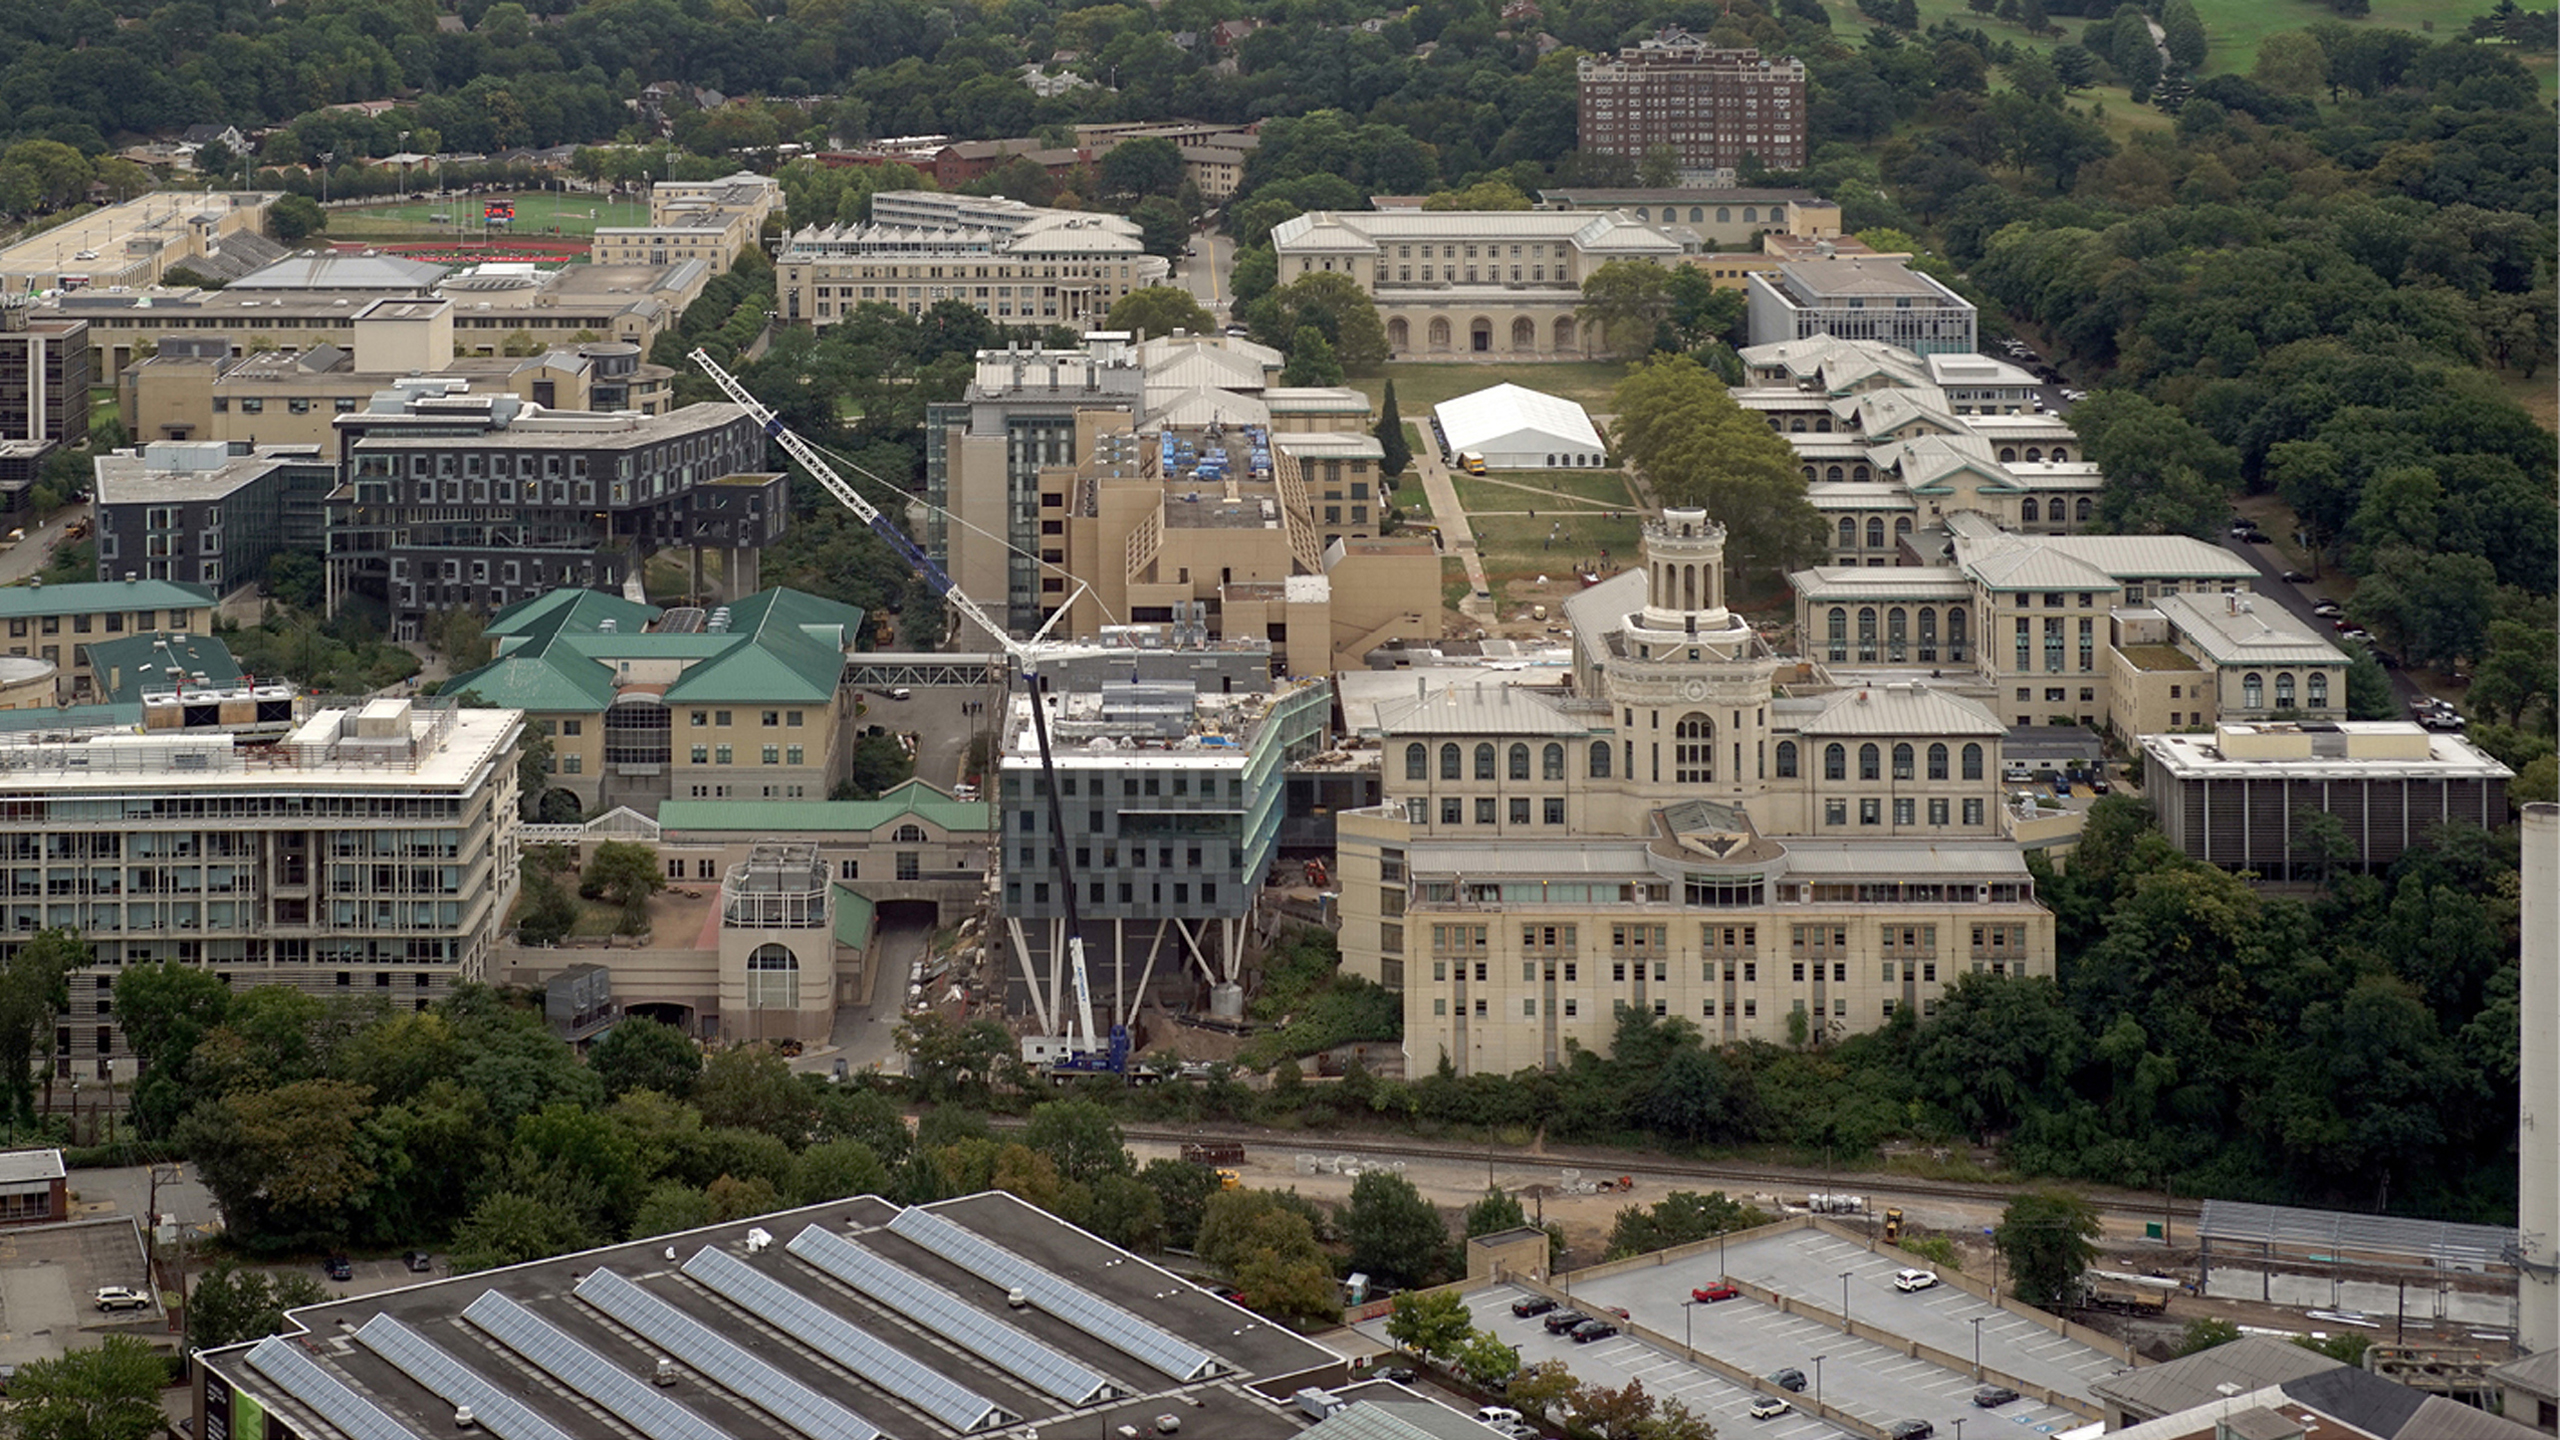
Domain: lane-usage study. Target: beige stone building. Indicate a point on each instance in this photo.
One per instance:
(2187, 662)
(1451, 282)
(135, 243)
(1177, 482)
(199, 390)
(1680, 829)
(2031, 621)
(1016, 263)
(56, 623)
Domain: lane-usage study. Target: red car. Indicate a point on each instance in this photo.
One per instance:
(1710, 1294)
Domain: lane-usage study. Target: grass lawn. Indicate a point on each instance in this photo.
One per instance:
(1513, 546)
(1543, 489)
(537, 213)
(1420, 386)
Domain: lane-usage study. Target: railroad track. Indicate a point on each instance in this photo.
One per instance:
(1595, 1162)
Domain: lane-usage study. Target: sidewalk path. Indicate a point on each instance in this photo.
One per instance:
(1456, 538)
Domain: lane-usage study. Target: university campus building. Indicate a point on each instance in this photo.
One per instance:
(1711, 107)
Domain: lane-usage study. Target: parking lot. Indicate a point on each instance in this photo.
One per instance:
(1615, 1361)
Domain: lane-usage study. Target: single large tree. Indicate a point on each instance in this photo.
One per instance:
(1434, 1326)
(624, 873)
(229, 1304)
(110, 1391)
(1160, 310)
(35, 987)
(1683, 431)
(1081, 1137)
(1394, 451)
(1626, 300)
(1397, 1236)
(2048, 1239)
(642, 1054)
(1335, 305)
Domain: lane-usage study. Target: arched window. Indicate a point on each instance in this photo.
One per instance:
(1901, 524)
(1786, 759)
(1439, 332)
(1693, 757)
(1834, 474)
(1848, 528)
(2253, 691)
(1928, 636)
(1796, 426)
(908, 835)
(1875, 533)
(1519, 762)
(1564, 333)
(1955, 633)
(1417, 761)
(1860, 472)
(1449, 763)
(2284, 689)
(2061, 456)
(1553, 758)
(1808, 470)
(773, 978)
(1599, 759)
(1399, 334)
(2319, 689)
(2028, 512)
(1524, 334)
(1640, 213)
(1697, 214)
(1839, 633)
(1484, 762)
(1867, 634)
(2008, 454)
(1972, 762)
(1902, 760)
(1937, 761)
(1724, 214)
(1750, 214)
(2080, 512)
(1835, 762)
(1870, 762)
(2034, 455)
(1894, 638)
(1821, 424)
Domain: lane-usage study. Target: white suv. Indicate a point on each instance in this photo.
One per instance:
(121, 1297)
(1910, 1280)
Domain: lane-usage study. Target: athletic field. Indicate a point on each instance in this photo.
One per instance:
(539, 213)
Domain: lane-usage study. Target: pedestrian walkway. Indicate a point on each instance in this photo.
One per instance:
(1455, 536)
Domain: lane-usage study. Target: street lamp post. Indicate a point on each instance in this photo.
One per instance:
(1688, 1312)
(1844, 1300)
(1959, 1427)
(1977, 1349)
(1817, 1384)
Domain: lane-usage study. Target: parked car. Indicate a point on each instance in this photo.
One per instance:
(1907, 1281)
(1564, 1320)
(2296, 577)
(1710, 1294)
(1789, 1379)
(1534, 1305)
(1497, 1415)
(1992, 1397)
(1910, 1430)
(339, 1267)
(1618, 1310)
(2328, 610)
(1590, 1330)
(2098, 782)
(419, 1262)
(1401, 1374)
(122, 1297)
(1769, 1407)
(1516, 1430)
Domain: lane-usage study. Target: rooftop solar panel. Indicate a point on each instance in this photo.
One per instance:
(457, 1384)
(882, 1364)
(927, 1304)
(299, 1376)
(696, 1344)
(551, 1350)
(1095, 1316)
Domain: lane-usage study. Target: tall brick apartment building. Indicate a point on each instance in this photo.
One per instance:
(1711, 106)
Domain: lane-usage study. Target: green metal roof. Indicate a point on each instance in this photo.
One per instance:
(554, 657)
(853, 918)
(914, 799)
(96, 595)
(578, 609)
(125, 666)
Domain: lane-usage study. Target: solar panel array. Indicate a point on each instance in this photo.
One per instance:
(919, 1300)
(329, 1398)
(883, 1365)
(552, 1351)
(695, 1343)
(1095, 1316)
(417, 1357)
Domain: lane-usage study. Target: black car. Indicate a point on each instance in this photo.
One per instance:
(1564, 1320)
(1992, 1397)
(1590, 1330)
(1790, 1379)
(1401, 1374)
(1910, 1430)
(339, 1267)
(1534, 1305)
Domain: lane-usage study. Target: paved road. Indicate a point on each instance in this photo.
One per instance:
(865, 1035)
(1205, 273)
(28, 556)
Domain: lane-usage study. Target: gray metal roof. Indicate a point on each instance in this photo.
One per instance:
(2334, 1232)
(1417, 1420)
(2251, 1362)
(27, 1167)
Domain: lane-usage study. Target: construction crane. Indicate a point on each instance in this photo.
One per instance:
(1098, 1054)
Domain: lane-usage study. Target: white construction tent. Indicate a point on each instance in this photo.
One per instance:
(1515, 428)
